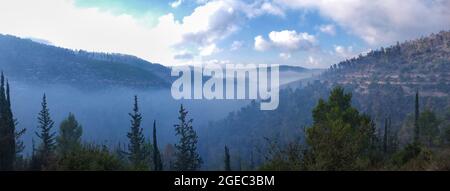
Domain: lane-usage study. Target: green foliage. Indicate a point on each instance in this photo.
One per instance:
(408, 153)
(10, 144)
(429, 125)
(89, 157)
(414, 157)
(187, 158)
(46, 149)
(136, 138)
(253, 125)
(285, 158)
(340, 138)
(69, 137)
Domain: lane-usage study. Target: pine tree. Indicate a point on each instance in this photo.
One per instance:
(416, 119)
(187, 158)
(227, 159)
(340, 138)
(69, 137)
(136, 152)
(46, 149)
(10, 143)
(157, 162)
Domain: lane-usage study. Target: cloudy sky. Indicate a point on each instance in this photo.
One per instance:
(309, 33)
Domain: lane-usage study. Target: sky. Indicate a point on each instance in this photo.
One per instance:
(307, 33)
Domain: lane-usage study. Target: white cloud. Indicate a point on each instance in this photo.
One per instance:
(291, 40)
(209, 50)
(236, 45)
(261, 44)
(216, 20)
(272, 9)
(209, 23)
(66, 25)
(287, 41)
(344, 52)
(381, 21)
(328, 29)
(176, 3)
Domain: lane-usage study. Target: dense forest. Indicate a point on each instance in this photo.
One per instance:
(340, 138)
(60, 147)
(383, 84)
(386, 110)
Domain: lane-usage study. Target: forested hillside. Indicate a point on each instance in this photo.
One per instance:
(383, 84)
(31, 62)
(384, 80)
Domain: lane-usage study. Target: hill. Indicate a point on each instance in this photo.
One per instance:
(383, 84)
(384, 81)
(28, 61)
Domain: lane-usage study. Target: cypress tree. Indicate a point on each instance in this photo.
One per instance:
(227, 159)
(157, 162)
(19, 147)
(47, 147)
(416, 119)
(136, 137)
(10, 144)
(187, 158)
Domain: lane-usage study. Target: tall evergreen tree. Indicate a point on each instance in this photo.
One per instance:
(340, 138)
(46, 150)
(10, 143)
(416, 119)
(69, 137)
(13, 123)
(227, 159)
(187, 158)
(157, 162)
(136, 153)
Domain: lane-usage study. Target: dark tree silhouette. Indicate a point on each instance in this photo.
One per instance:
(187, 158)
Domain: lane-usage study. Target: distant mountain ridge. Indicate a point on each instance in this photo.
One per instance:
(26, 60)
(31, 60)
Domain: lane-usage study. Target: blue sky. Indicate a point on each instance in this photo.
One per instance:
(309, 33)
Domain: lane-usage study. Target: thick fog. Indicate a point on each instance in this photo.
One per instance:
(104, 113)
